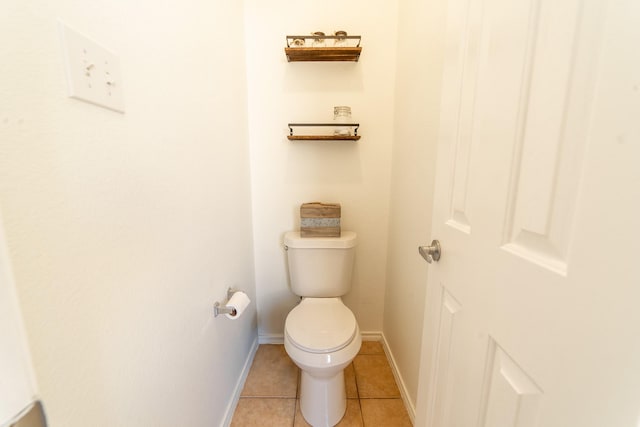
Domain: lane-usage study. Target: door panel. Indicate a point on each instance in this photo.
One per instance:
(438, 406)
(510, 397)
(549, 146)
(467, 25)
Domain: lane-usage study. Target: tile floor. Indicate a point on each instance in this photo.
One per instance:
(270, 394)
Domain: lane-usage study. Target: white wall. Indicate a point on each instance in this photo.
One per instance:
(285, 174)
(417, 104)
(124, 229)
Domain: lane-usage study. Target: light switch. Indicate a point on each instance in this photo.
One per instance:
(93, 72)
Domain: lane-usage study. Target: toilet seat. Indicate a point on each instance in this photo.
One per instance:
(321, 325)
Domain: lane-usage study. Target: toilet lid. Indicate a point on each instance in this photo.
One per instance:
(320, 325)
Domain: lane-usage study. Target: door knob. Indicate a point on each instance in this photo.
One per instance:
(430, 253)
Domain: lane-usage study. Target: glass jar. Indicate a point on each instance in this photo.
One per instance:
(342, 114)
(319, 41)
(341, 40)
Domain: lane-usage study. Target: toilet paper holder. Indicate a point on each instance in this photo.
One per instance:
(223, 309)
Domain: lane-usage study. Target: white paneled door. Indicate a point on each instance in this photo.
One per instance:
(533, 311)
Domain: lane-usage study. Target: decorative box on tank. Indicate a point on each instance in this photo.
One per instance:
(320, 219)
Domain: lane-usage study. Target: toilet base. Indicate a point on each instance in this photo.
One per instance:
(323, 401)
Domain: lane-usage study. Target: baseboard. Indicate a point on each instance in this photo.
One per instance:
(411, 409)
(231, 408)
(271, 339)
(279, 338)
(371, 336)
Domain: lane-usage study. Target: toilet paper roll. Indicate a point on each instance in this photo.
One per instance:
(239, 301)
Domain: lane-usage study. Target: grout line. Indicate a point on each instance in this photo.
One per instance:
(361, 415)
(381, 398)
(355, 378)
(295, 406)
(293, 419)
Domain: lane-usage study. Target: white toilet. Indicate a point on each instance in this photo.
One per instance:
(321, 334)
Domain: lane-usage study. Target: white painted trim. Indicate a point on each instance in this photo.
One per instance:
(271, 339)
(231, 408)
(279, 338)
(371, 336)
(411, 409)
(19, 378)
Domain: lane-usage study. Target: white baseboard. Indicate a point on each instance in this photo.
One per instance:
(371, 336)
(366, 336)
(271, 339)
(279, 338)
(231, 408)
(411, 409)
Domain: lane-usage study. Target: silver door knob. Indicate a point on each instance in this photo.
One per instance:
(430, 253)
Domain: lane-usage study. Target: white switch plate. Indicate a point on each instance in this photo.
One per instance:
(93, 72)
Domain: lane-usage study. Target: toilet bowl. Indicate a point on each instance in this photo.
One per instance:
(322, 337)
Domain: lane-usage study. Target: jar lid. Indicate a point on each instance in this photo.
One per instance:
(318, 34)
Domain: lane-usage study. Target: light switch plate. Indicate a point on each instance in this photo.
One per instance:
(93, 72)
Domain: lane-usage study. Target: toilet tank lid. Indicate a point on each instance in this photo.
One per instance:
(347, 239)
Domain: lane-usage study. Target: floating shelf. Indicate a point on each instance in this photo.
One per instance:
(329, 137)
(330, 53)
(323, 137)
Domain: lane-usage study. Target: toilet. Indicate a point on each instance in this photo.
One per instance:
(321, 334)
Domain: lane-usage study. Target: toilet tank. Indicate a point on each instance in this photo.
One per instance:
(320, 266)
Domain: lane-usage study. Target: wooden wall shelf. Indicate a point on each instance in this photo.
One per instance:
(348, 53)
(322, 54)
(324, 137)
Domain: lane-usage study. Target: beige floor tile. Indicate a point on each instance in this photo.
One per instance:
(272, 374)
(374, 377)
(384, 412)
(274, 382)
(371, 347)
(260, 412)
(352, 416)
(350, 382)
